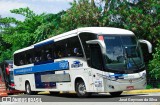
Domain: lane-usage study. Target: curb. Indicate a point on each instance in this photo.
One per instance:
(142, 91)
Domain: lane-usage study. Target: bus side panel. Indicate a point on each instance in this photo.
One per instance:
(81, 71)
(21, 79)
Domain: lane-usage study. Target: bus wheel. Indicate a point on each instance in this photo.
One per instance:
(116, 94)
(81, 89)
(54, 93)
(28, 89)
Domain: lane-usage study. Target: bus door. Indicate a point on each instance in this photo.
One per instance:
(96, 63)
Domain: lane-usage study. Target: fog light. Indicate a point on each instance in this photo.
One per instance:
(110, 86)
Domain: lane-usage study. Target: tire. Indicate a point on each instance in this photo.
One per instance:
(116, 94)
(81, 90)
(10, 93)
(54, 93)
(28, 89)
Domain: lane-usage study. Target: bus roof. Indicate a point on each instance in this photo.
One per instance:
(96, 30)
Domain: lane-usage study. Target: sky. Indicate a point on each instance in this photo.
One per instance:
(38, 6)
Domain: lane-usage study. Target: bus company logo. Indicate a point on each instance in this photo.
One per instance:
(76, 64)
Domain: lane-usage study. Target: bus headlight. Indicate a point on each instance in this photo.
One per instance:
(112, 78)
(143, 75)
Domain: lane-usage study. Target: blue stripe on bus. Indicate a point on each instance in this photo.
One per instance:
(42, 44)
(64, 65)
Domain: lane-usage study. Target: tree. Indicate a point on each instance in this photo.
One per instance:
(20, 34)
(4, 47)
(82, 13)
(155, 63)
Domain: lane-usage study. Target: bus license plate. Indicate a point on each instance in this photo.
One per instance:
(130, 87)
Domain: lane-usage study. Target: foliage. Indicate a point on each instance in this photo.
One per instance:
(149, 87)
(155, 63)
(158, 86)
(20, 34)
(82, 13)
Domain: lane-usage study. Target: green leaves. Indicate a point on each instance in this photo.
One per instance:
(154, 65)
(24, 11)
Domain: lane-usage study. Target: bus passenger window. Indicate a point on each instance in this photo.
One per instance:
(77, 52)
(69, 53)
(55, 55)
(74, 45)
(30, 60)
(49, 56)
(60, 55)
(37, 59)
(21, 62)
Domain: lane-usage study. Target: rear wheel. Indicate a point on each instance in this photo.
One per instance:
(116, 94)
(28, 89)
(81, 89)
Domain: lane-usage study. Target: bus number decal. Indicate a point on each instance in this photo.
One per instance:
(98, 83)
(63, 65)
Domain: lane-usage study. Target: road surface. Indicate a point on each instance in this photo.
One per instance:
(134, 99)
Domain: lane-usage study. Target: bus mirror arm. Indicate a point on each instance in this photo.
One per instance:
(101, 43)
(148, 44)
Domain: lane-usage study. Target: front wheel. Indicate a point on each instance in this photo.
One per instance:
(81, 90)
(116, 94)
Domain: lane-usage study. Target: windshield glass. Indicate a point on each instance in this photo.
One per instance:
(123, 52)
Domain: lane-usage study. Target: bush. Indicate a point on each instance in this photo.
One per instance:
(149, 87)
(154, 65)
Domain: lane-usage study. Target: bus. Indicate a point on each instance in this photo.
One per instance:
(7, 76)
(85, 60)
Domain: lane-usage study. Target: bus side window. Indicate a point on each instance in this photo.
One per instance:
(16, 59)
(49, 56)
(21, 62)
(74, 44)
(36, 59)
(50, 53)
(86, 37)
(60, 49)
(30, 60)
(68, 47)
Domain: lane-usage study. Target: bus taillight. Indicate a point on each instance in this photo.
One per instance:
(7, 70)
(101, 38)
(12, 84)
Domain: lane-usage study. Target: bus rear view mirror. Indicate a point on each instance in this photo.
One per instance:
(149, 45)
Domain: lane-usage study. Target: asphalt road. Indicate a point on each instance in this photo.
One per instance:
(148, 97)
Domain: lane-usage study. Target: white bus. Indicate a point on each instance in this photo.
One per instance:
(86, 60)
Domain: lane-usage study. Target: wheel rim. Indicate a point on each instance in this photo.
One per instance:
(82, 89)
(27, 88)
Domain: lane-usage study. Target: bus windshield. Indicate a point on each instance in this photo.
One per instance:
(123, 53)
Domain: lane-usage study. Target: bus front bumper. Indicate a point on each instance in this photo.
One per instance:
(125, 85)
